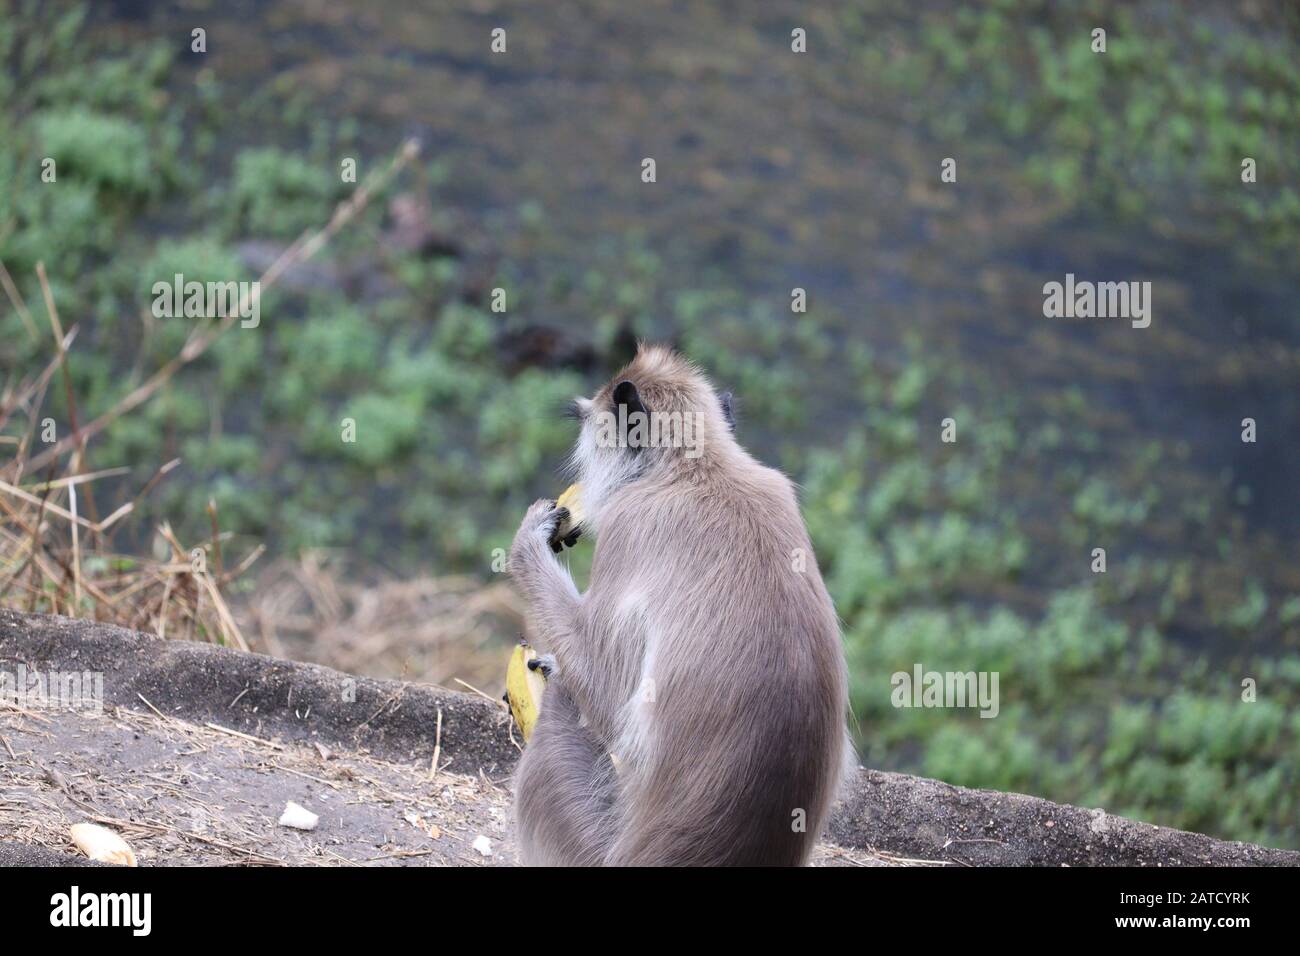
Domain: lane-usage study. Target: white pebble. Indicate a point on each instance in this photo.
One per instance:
(300, 818)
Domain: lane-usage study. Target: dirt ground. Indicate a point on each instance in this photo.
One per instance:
(190, 794)
(187, 794)
(193, 751)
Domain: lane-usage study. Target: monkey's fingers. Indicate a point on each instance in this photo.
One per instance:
(545, 663)
(558, 520)
(569, 540)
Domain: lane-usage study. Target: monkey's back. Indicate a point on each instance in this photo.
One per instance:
(743, 742)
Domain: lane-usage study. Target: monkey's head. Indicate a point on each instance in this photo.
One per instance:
(659, 413)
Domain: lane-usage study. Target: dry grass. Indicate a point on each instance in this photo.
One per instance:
(429, 629)
(56, 552)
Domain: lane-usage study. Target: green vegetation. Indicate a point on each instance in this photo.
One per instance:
(1158, 125)
(1120, 690)
(444, 437)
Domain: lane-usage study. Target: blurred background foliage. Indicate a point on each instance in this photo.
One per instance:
(776, 171)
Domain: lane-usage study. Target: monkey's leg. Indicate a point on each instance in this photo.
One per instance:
(564, 789)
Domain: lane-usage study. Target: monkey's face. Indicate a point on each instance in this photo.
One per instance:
(658, 412)
(612, 447)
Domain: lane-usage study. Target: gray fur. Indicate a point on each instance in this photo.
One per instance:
(700, 657)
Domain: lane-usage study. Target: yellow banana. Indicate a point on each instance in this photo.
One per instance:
(524, 688)
(571, 499)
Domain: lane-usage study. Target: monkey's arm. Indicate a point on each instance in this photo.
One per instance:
(551, 596)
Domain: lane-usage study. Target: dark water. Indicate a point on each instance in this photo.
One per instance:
(775, 171)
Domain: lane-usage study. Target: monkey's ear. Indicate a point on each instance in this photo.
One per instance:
(728, 412)
(625, 393)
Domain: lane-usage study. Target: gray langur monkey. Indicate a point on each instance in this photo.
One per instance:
(695, 710)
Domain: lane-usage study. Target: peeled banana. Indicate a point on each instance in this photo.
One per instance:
(524, 688)
(567, 531)
(101, 844)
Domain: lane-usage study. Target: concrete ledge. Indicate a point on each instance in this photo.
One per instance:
(263, 696)
(20, 854)
(886, 812)
(928, 819)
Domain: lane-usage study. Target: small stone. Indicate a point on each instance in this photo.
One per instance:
(298, 818)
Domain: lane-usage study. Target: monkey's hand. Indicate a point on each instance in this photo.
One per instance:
(545, 664)
(532, 544)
